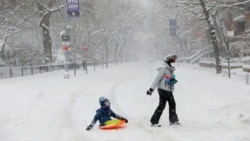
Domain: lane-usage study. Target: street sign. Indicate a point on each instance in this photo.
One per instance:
(65, 38)
(73, 8)
(85, 49)
(66, 43)
(65, 48)
(172, 27)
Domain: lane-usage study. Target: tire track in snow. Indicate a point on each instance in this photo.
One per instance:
(81, 101)
(69, 129)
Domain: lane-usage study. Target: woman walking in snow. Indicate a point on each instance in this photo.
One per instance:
(165, 81)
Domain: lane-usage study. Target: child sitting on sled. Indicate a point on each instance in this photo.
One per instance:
(104, 113)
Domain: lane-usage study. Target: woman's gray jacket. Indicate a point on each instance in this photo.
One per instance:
(161, 79)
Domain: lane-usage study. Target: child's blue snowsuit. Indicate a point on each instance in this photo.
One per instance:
(104, 114)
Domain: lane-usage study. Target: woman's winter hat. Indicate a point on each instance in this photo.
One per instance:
(169, 57)
(104, 102)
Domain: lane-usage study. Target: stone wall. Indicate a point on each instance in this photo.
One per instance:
(211, 64)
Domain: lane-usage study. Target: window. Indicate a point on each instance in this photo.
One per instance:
(240, 27)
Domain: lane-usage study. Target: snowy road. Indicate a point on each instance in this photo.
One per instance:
(48, 107)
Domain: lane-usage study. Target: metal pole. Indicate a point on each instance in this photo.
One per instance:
(66, 33)
(225, 38)
(247, 78)
(74, 51)
(102, 58)
(228, 59)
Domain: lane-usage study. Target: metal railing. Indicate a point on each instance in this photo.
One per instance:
(9, 72)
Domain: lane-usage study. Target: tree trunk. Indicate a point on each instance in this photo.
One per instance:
(116, 53)
(107, 56)
(212, 32)
(46, 37)
(45, 25)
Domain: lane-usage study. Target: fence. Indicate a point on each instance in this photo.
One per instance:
(9, 72)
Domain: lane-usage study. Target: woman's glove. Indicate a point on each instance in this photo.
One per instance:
(173, 81)
(149, 92)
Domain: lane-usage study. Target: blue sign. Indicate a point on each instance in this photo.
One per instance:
(73, 8)
(172, 27)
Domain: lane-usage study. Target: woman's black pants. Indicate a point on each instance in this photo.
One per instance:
(165, 96)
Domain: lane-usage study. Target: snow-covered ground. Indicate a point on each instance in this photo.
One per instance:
(47, 107)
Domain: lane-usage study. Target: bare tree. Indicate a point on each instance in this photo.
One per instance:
(45, 9)
(10, 23)
(212, 31)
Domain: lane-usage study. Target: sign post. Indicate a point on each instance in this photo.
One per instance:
(172, 27)
(172, 31)
(65, 47)
(71, 11)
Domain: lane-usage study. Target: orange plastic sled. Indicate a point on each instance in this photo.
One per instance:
(113, 124)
